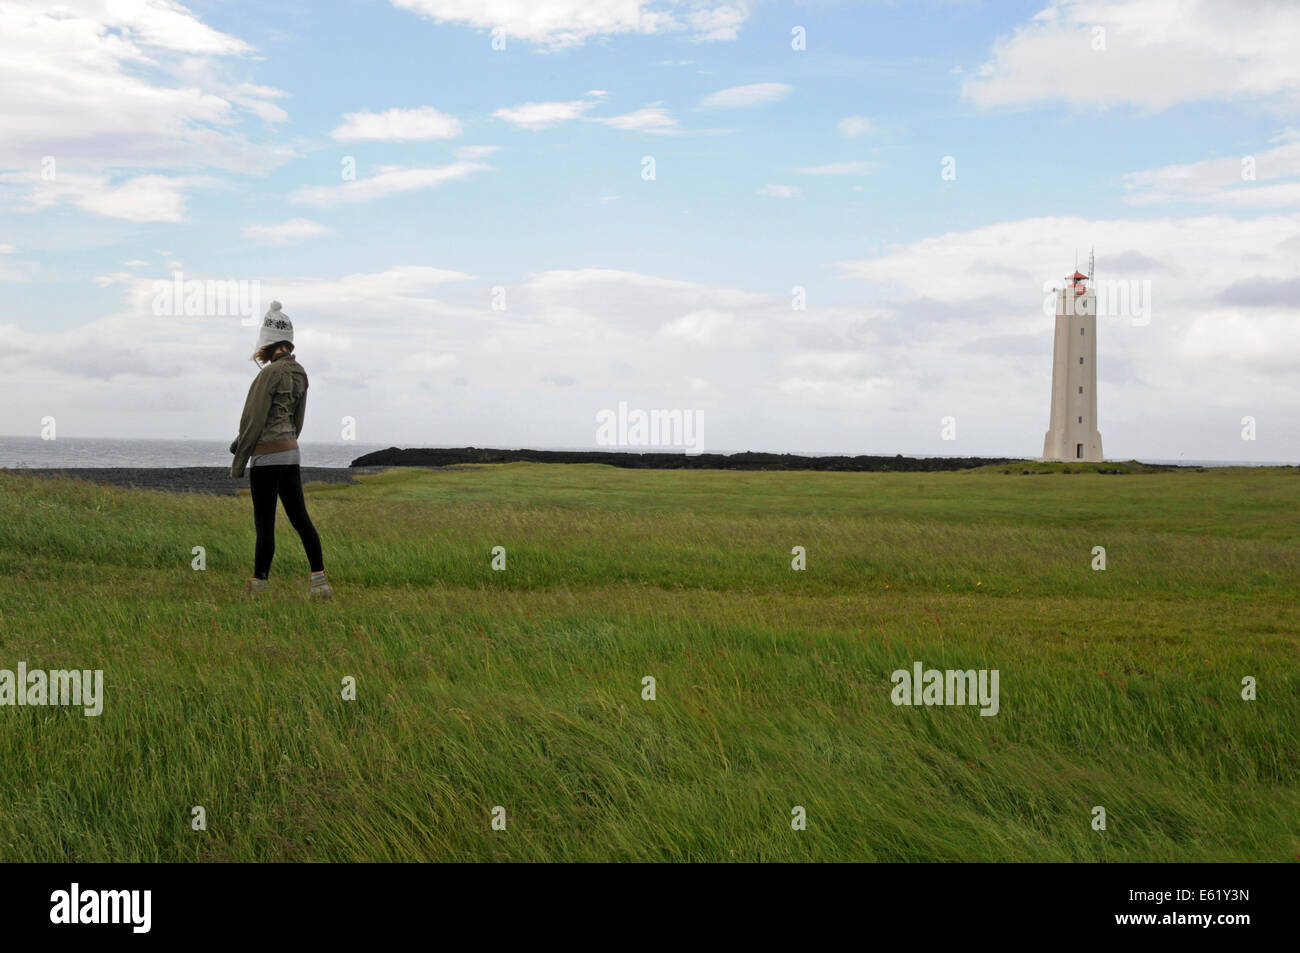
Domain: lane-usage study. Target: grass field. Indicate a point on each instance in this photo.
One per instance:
(523, 688)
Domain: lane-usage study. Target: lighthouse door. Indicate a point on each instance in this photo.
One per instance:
(1078, 451)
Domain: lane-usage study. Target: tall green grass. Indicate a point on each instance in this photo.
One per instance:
(523, 688)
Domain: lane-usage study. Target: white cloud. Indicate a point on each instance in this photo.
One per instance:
(282, 234)
(653, 119)
(7, 249)
(135, 263)
(256, 99)
(428, 363)
(145, 198)
(475, 152)
(103, 86)
(11, 270)
(781, 191)
(851, 394)
(1223, 182)
(1155, 55)
(387, 180)
(755, 94)
(990, 279)
(609, 284)
(854, 127)
(699, 327)
(841, 168)
(388, 286)
(564, 23)
(826, 362)
(542, 115)
(397, 125)
(718, 23)
(165, 24)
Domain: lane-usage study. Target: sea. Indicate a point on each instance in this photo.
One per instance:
(36, 453)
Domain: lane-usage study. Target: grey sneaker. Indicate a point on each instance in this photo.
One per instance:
(256, 586)
(320, 587)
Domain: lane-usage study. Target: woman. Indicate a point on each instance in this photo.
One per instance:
(268, 443)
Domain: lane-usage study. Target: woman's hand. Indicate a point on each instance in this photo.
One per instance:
(234, 445)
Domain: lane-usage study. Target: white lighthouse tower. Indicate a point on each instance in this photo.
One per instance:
(1073, 433)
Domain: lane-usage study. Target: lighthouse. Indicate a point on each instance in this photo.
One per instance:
(1072, 433)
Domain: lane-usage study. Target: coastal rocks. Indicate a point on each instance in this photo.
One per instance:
(441, 457)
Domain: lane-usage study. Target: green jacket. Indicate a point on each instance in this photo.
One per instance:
(274, 409)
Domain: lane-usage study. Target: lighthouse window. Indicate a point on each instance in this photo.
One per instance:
(1082, 331)
(1080, 420)
(1080, 390)
(1080, 360)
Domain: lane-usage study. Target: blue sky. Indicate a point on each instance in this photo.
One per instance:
(209, 138)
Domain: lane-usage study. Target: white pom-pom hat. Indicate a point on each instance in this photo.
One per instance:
(276, 327)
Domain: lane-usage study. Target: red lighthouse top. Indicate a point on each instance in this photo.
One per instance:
(1076, 282)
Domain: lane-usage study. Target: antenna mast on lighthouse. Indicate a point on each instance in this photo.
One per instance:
(1090, 262)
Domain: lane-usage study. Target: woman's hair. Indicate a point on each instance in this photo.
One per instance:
(265, 354)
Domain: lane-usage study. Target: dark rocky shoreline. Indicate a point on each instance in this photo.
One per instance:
(441, 457)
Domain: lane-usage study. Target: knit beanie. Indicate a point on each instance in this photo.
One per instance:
(276, 327)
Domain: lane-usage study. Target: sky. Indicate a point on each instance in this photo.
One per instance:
(818, 227)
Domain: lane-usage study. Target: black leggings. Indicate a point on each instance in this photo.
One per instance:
(285, 482)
